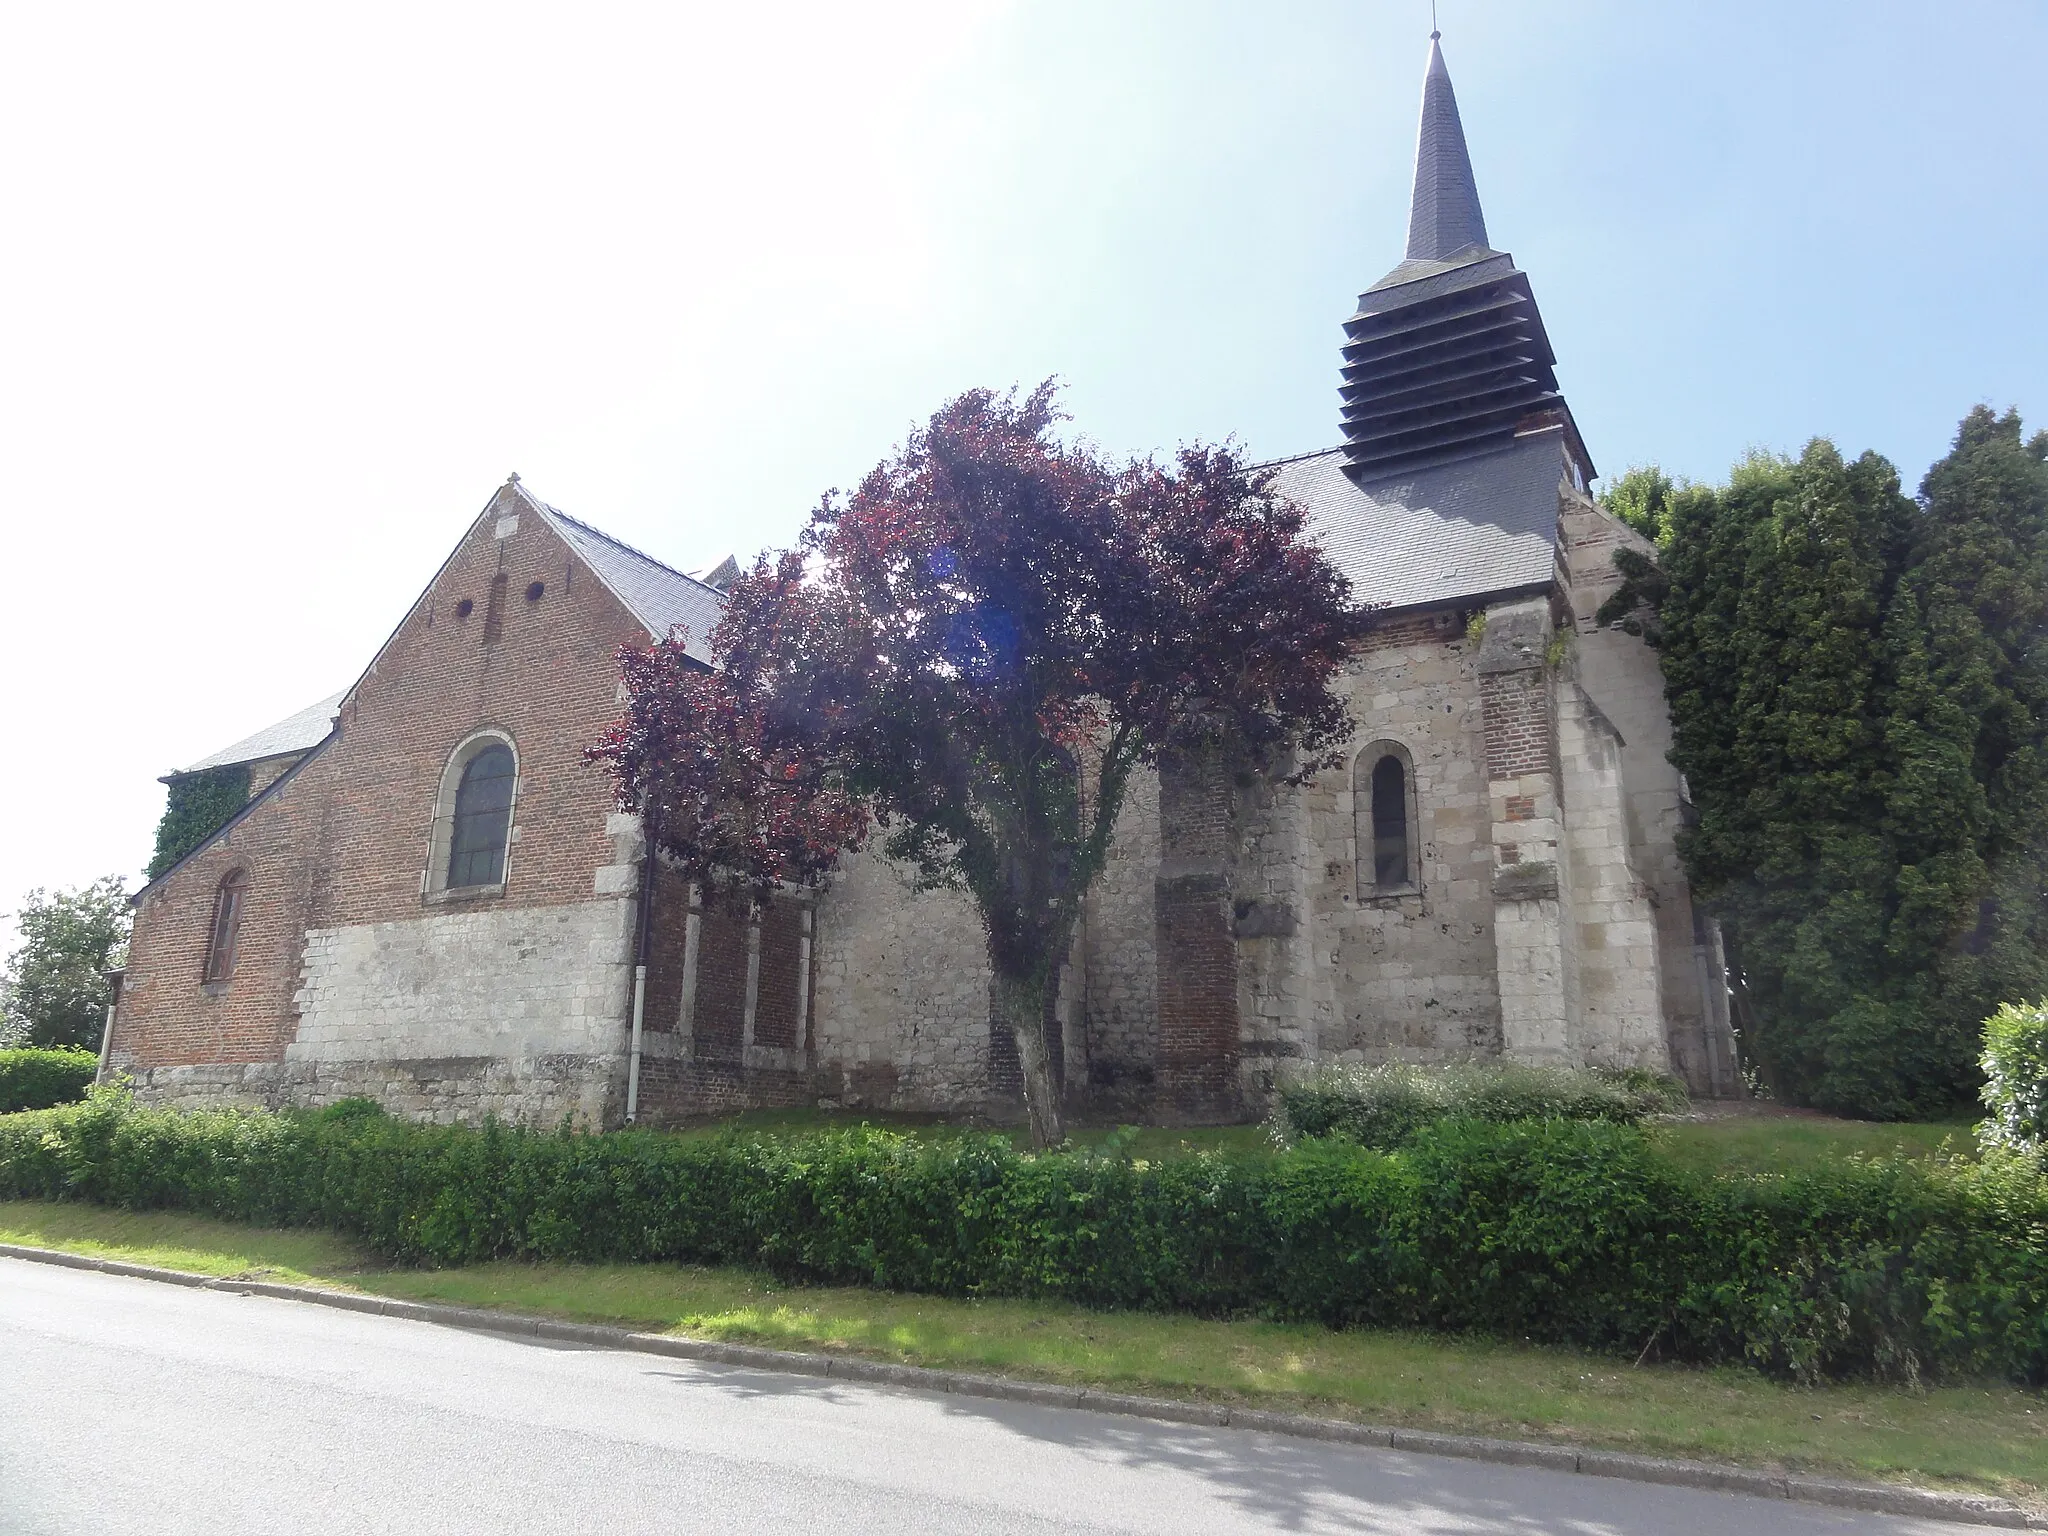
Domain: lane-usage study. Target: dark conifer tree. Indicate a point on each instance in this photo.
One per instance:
(1859, 697)
(1779, 694)
(1968, 805)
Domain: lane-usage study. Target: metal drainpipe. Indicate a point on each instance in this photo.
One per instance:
(107, 1031)
(646, 915)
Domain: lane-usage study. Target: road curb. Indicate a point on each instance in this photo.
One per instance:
(1877, 1498)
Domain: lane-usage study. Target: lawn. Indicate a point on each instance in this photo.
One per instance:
(1778, 1142)
(1759, 1139)
(1987, 1437)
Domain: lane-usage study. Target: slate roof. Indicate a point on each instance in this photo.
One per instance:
(1420, 280)
(1443, 215)
(1483, 524)
(295, 733)
(659, 596)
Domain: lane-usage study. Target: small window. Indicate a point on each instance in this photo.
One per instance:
(227, 927)
(483, 806)
(1389, 823)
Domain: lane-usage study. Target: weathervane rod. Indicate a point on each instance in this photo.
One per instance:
(1434, 34)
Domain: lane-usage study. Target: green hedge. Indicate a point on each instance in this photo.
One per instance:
(1558, 1231)
(37, 1079)
(1385, 1106)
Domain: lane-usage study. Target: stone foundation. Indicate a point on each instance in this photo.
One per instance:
(544, 1091)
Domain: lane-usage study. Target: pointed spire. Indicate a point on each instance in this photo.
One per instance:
(1444, 217)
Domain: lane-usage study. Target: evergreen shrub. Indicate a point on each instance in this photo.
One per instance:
(1384, 1106)
(1570, 1232)
(2016, 1076)
(33, 1078)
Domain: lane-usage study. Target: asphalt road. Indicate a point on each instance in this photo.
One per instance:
(127, 1405)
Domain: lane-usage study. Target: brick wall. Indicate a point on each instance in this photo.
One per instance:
(1403, 632)
(1518, 736)
(341, 842)
(168, 1015)
(667, 941)
(1196, 942)
(778, 1025)
(718, 1021)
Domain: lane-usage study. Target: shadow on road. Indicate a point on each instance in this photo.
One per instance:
(1299, 1485)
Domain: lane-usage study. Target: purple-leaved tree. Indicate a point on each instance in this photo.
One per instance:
(972, 653)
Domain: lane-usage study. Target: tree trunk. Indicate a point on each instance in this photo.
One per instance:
(1020, 1003)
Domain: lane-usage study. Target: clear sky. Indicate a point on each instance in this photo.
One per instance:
(286, 291)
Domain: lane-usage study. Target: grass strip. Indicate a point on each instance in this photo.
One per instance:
(1989, 1438)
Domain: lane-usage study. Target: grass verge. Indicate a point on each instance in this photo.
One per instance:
(1986, 1438)
(1781, 1143)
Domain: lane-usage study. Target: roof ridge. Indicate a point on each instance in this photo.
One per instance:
(1296, 458)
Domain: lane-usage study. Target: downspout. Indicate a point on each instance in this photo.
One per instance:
(107, 1030)
(646, 915)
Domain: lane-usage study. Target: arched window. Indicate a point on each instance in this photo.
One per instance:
(226, 928)
(1383, 797)
(483, 819)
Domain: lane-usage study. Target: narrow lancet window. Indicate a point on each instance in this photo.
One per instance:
(1390, 863)
(227, 927)
(483, 814)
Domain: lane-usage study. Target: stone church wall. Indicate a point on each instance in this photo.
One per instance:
(1410, 976)
(1527, 891)
(1617, 1018)
(901, 1012)
(521, 982)
(1619, 673)
(1112, 1059)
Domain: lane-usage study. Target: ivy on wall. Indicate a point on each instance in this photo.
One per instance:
(200, 805)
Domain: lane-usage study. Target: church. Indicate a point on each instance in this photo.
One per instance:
(429, 897)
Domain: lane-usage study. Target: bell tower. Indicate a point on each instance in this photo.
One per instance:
(1446, 355)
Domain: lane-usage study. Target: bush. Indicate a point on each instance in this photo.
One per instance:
(36, 1079)
(2015, 1066)
(1571, 1232)
(1385, 1106)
